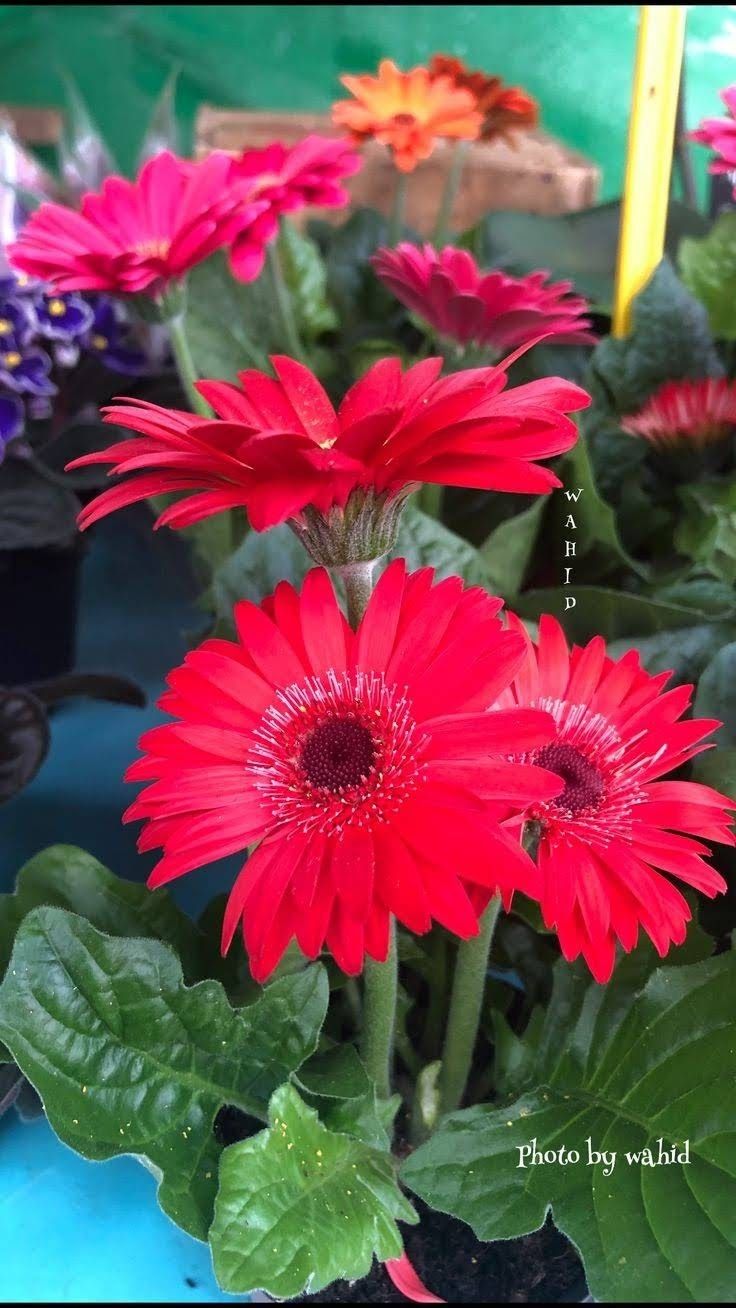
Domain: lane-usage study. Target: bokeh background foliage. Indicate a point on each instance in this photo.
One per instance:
(576, 59)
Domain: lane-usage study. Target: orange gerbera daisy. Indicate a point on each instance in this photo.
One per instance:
(407, 111)
(504, 108)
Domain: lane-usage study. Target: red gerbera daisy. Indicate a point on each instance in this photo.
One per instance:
(135, 237)
(680, 413)
(605, 842)
(285, 179)
(505, 109)
(279, 448)
(363, 762)
(464, 305)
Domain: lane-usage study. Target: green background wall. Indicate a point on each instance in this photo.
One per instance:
(576, 59)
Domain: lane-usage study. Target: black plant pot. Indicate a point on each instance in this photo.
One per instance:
(39, 591)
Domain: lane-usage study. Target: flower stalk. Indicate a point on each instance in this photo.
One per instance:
(282, 301)
(466, 1004)
(398, 211)
(450, 192)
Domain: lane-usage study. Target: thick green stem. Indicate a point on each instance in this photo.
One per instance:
(465, 1009)
(358, 582)
(449, 195)
(185, 364)
(380, 980)
(282, 300)
(398, 210)
(380, 987)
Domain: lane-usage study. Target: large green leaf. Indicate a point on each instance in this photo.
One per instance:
(129, 1060)
(580, 246)
(614, 614)
(685, 652)
(300, 1206)
(670, 338)
(229, 324)
(64, 876)
(595, 532)
(717, 767)
(257, 566)
(716, 697)
(305, 274)
(622, 1067)
(708, 269)
(706, 532)
(361, 301)
(425, 542)
(508, 550)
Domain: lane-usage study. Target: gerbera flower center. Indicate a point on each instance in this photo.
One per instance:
(584, 784)
(403, 120)
(338, 754)
(341, 749)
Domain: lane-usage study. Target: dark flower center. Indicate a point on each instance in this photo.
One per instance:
(403, 120)
(338, 754)
(584, 785)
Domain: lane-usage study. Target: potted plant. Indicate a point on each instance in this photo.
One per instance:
(475, 973)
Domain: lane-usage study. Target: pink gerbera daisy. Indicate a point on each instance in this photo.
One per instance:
(466, 306)
(607, 839)
(686, 413)
(719, 134)
(363, 765)
(135, 237)
(285, 179)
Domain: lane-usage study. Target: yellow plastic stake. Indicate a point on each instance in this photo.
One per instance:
(649, 155)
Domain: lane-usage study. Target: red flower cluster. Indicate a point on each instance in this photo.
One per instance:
(278, 444)
(719, 134)
(464, 305)
(506, 109)
(607, 839)
(136, 237)
(365, 763)
(282, 180)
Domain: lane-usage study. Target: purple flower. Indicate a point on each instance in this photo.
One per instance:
(109, 338)
(17, 323)
(12, 421)
(26, 372)
(63, 317)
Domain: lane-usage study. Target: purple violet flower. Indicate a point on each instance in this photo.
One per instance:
(12, 421)
(26, 372)
(63, 317)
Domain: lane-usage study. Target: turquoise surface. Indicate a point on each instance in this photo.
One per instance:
(72, 1230)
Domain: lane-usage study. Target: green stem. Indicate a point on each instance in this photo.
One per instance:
(380, 980)
(398, 210)
(185, 364)
(449, 194)
(283, 303)
(358, 582)
(465, 1009)
(434, 1021)
(380, 987)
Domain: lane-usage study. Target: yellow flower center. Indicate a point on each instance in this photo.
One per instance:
(100, 342)
(6, 327)
(12, 359)
(153, 249)
(57, 308)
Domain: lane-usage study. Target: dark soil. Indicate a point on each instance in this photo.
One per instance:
(538, 1268)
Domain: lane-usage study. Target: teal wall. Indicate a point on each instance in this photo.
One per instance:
(576, 59)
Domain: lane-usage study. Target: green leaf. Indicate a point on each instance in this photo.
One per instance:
(368, 1118)
(596, 534)
(708, 269)
(684, 652)
(300, 1206)
(257, 566)
(623, 1066)
(64, 876)
(580, 246)
(305, 275)
(128, 1060)
(716, 697)
(230, 325)
(614, 614)
(362, 303)
(84, 156)
(336, 1073)
(425, 542)
(670, 339)
(507, 552)
(706, 532)
(35, 512)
